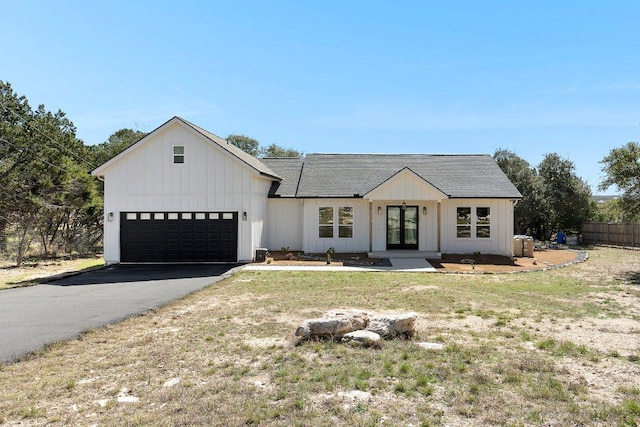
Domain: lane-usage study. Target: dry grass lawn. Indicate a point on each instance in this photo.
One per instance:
(558, 347)
(31, 271)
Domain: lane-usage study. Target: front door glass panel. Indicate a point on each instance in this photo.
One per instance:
(393, 225)
(411, 225)
(402, 227)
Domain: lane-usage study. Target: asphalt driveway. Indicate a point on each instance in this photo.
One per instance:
(33, 317)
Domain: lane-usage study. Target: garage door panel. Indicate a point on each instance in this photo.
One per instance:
(179, 237)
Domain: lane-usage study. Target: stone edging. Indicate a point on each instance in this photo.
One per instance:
(582, 257)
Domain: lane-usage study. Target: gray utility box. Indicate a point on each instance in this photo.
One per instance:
(523, 246)
(261, 254)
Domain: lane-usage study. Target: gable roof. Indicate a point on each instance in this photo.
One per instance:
(246, 158)
(404, 172)
(354, 175)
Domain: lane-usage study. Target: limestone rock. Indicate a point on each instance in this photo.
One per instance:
(364, 338)
(393, 325)
(431, 345)
(359, 319)
(325, 328)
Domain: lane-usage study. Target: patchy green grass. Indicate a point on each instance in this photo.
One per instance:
(227, 355)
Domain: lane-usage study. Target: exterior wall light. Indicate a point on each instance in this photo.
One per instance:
(244, 215)
(424, 210)
(110, 217)
(379, 210)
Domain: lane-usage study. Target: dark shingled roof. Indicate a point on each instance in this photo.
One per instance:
(347, 175)
(289, 169)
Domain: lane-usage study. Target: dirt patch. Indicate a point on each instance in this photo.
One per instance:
(545, 259)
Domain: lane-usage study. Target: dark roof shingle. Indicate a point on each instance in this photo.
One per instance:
(347, 175)
(289, 169)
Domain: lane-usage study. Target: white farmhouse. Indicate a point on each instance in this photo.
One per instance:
(182, 194)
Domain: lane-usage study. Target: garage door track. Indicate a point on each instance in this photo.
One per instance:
(35, 316)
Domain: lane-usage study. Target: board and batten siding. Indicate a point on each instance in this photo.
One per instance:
(427, 224)
(258, 213)
(210, 179)
(405, 185)
(312, 243)
(284, 224)
(501, 240)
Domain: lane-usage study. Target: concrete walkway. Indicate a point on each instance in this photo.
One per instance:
(406, 265)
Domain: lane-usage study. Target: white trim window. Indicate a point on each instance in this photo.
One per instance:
(463, 223)
(483, 222)
(335, 221)
(178, 154)
(345, 222)
(473, 222)
(325, 222)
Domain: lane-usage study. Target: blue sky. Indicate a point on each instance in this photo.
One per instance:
(341, 76)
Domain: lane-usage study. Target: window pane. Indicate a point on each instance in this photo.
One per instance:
(186, 215)
(464, 231)
(132, 216)
(484, 215)
(178, 159)
(145, 216)
(464, 216)
(325, 231)
(345, 231)
(345, 216)
(158, 215)
(325, 216)
(227, 215)
(483, 232)
(178, 149)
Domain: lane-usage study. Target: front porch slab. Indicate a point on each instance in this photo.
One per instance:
(409, 265)
(405, 254)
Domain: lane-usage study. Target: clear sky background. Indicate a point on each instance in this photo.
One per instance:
(534, 77)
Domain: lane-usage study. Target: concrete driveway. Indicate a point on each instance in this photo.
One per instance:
(33, 317)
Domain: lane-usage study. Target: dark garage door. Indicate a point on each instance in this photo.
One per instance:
(178, 236)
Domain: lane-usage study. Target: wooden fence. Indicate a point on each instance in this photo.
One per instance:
(611, 233)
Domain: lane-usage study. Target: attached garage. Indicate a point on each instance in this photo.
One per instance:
(150, 237)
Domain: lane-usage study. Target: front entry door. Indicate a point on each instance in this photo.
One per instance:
(402, 227)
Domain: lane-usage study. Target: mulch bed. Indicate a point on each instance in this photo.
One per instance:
(543, 259)
(450, 263)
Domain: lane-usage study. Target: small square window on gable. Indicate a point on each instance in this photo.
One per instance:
(178, 154)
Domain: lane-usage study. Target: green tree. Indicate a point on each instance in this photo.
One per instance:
(245, 143)
(611, 211)
(621, 168)
(252, 146)
(117, 142)
(275, 150)
(44, 171)
(531, 213)
(566, 195)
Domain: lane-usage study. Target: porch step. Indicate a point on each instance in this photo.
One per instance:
(405, 254)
